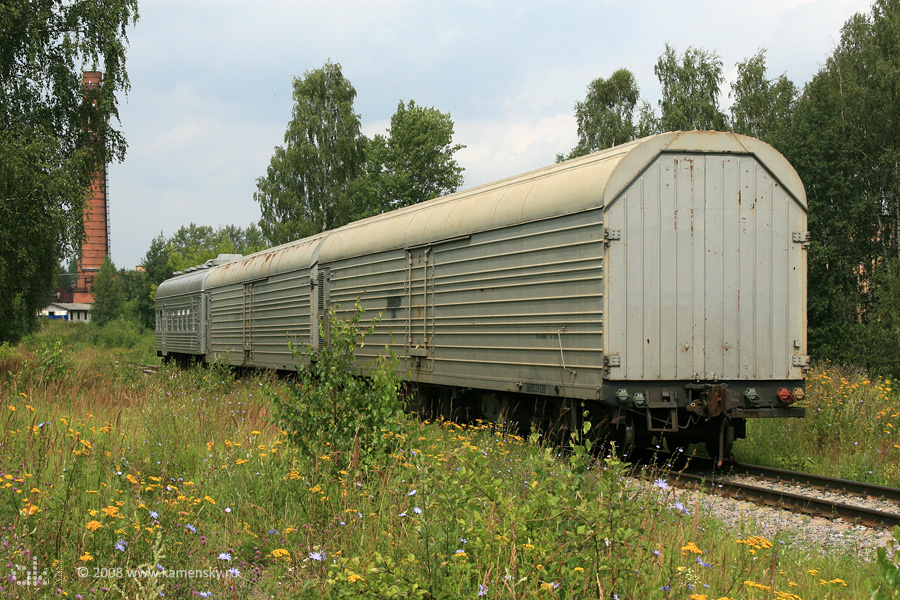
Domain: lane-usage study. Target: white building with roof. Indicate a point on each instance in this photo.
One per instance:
(77, 312)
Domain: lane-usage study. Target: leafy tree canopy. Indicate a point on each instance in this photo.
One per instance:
(762, 108)
(193, 245)
(845, 144)
(109, 299)
(606, 116)
(690, 89)
(53, 135)
(328, 174)
(414, 162)
(305, 188)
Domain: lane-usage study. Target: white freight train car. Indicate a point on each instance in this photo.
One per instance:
(661, 282)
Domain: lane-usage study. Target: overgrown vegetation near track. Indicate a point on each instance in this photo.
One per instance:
(118, 484)
(851, 429)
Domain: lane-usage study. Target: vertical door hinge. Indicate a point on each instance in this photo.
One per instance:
(802, 361)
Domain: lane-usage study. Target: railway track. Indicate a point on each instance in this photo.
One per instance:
(851, 501)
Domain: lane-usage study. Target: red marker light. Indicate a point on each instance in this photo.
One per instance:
(785, 396)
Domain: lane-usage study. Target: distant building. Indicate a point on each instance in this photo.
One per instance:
(77, 312)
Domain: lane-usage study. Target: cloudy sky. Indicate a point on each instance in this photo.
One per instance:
(211, 82)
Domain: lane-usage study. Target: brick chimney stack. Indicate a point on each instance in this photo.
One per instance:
(95, 245)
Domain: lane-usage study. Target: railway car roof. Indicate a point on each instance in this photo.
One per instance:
(186, 283)
(280, 259)
(588, 182)
(591, 181)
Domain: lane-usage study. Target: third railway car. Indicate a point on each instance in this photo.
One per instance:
(660, 283)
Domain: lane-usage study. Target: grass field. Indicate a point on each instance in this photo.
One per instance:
(117, 484)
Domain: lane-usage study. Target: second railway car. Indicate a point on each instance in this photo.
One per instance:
(661, 283)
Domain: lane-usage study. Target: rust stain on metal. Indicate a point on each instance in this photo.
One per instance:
(716, 399)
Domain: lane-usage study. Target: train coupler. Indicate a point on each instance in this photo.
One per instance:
(708, 400)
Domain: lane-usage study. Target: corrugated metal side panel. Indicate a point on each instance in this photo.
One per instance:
(379, 281)
(518, 305)
(524, 303)
(280, 315)
(706, 281)
(260, 318)
(226, 324)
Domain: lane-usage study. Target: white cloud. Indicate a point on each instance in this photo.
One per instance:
(496, 149)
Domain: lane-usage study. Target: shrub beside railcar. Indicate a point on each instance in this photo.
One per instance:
(661, 283)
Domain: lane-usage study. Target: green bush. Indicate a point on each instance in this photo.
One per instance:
(334, 409)
(118, 333)
(50, 363)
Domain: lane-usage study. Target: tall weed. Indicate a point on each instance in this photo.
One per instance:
(888, 573)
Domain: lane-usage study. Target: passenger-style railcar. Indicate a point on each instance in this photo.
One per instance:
(662, 283)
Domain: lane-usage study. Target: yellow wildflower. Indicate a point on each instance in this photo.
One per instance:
(94, 525)
(758, 586)
(691, 547)
(549, 585)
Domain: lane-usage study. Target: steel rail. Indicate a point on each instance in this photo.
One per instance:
(820, 482)
(832, 484)
(788, 500)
